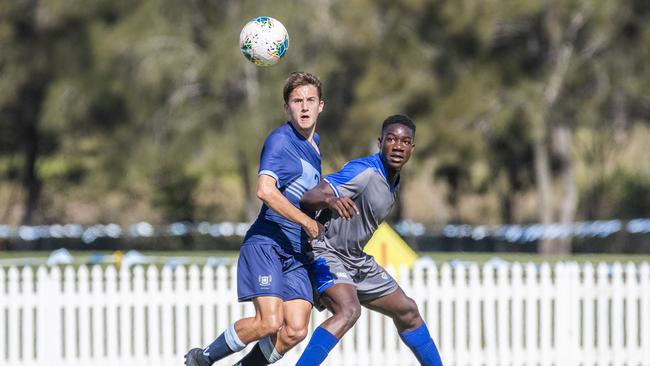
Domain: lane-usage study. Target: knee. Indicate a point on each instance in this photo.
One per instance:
(294, 335)
(350, 314)
(409, 317)
(269, 325)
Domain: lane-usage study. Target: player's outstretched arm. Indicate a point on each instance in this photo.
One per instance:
(272, 197)
(322, 196)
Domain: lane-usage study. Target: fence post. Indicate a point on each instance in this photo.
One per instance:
(603, 325)
(208, 296)
(517, 316)
(98, 304)
(28, 333)
(631, 318)
(180, 293)
(546, 314)
(588, 326)
(617, 314)
(153, 316)
(111, 316)
(503, 319)
(644, 321)
(140, 301)
(84, 304)
(167, 300)
(460, 316)
(562, 315)
(531, 293)
(54, 317)
(475, 294)
(489, 315)
(432, 300)
(42, 321)
(448, 353)
(195, 303)
(13, 325)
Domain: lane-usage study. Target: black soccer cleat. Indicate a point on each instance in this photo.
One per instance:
(195, 358)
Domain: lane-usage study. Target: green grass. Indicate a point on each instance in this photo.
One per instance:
(200, 257)
(535, 258)
(8, 258)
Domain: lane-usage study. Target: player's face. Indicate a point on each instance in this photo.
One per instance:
(304, 106)
(396, 145)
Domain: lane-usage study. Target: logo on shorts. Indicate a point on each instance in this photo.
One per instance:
(384, 275)
(341, 275)
(265, 281)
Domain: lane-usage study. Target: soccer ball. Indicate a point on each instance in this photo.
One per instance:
(264, 41)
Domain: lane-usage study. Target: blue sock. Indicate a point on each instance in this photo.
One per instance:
(254, 357)
(226, 344)
(320, 344)
(263, 353)
(420, 342)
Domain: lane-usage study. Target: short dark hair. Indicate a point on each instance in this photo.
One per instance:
(401, 119)
(300, 78)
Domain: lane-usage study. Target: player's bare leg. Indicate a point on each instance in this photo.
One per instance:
(399, 307)
(271, 349)
(296, 319)
(269, 317)
(267, 321)
(342, 300)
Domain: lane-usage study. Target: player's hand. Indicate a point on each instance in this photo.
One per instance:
(344, 206)
(315, 230)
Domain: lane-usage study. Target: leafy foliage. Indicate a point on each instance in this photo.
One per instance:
(122, 111)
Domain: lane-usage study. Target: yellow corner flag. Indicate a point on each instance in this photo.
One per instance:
(389, 248)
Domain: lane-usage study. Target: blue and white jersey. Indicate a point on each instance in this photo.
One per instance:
(295, 164)
(365, 180)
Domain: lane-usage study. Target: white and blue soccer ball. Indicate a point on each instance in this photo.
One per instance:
(264, 41)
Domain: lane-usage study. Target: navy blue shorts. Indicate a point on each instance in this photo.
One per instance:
(265, 269)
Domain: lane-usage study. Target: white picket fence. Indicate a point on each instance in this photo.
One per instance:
(565, 314)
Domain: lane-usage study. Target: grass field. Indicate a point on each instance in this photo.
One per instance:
(200, 257)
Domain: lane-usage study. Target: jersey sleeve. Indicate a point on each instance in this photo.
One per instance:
(273, 160)
(350, 180)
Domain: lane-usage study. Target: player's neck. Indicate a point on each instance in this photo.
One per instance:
(306, 133)
(391, 174)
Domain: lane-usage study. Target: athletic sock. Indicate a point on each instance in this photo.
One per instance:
(226, 344)
(253, 358)
(319, 346)
(420, 342)
(263, 353)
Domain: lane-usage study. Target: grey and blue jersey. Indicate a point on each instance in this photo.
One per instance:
(339, 255)
(365, 181)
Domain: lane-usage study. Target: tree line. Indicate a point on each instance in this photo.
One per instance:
(527, 111)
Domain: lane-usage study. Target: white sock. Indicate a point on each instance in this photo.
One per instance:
(232, 339)
(268, 349)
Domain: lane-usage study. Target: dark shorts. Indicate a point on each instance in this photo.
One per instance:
(370, 279)
(265, 269)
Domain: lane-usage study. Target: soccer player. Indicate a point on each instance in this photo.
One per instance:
(359, 197)
(272, 263)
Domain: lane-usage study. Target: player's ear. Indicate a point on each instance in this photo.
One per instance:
(379, 143)
(286, 108)
(321, 104)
